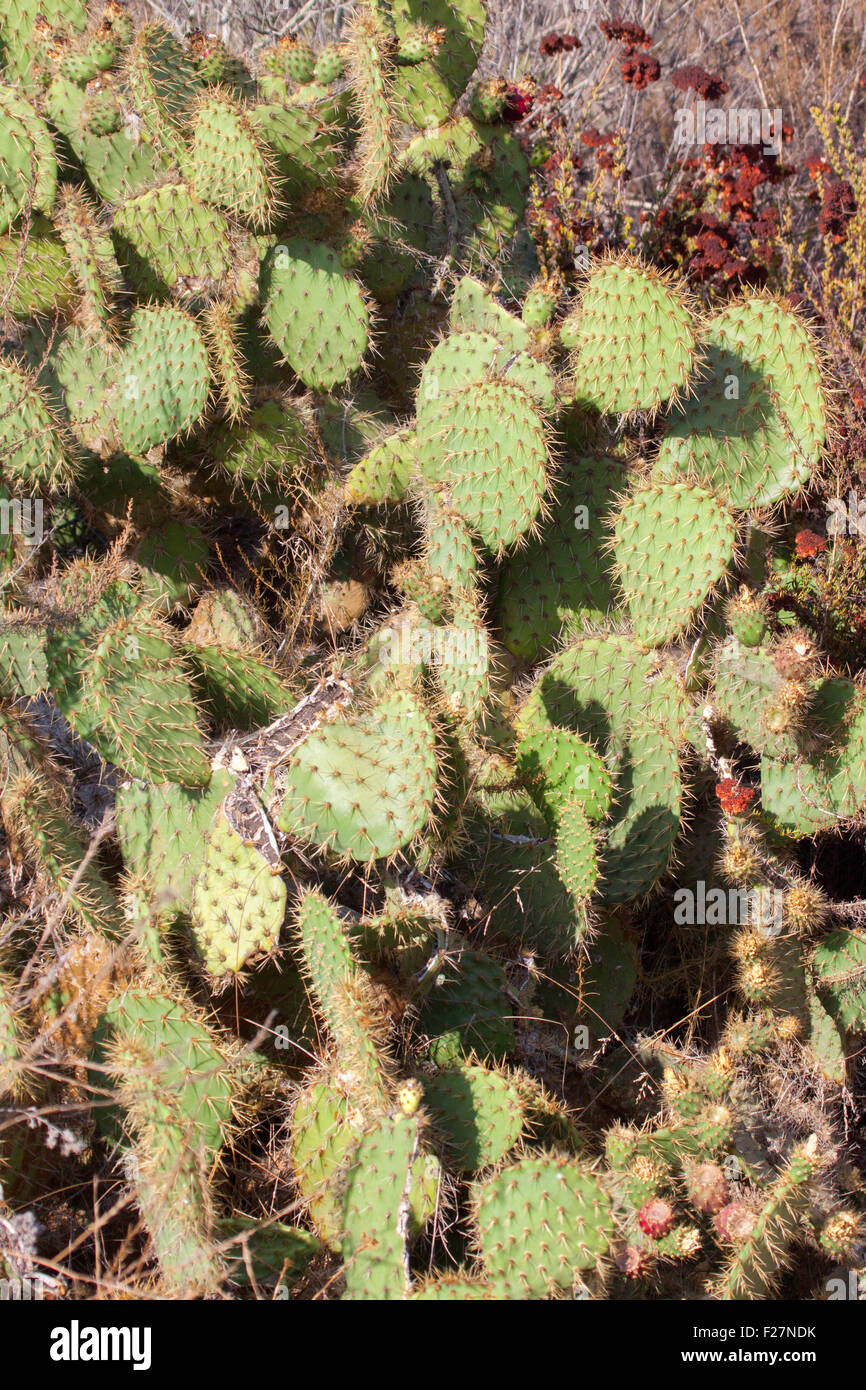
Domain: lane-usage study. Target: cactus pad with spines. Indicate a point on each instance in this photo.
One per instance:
(238, 903)
(363, 786)
(672, 544)
(316, 312)
(649, 365)
(542, 1221)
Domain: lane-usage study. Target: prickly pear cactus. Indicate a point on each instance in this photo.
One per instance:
(399, 713)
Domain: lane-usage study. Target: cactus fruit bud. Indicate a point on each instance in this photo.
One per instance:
(707, 1187)
(656, 1218)
(409, 1096)
(747, 617)
(839, 1233)
(633, 1263)
(804, 907)
(735, 1222)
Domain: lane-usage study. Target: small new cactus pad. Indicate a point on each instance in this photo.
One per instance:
(576, 855)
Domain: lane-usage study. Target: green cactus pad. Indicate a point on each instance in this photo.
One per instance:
(229, 163)
(449, 552)
(162, 829)
(530, 903)
(34, 454)
(91, 256)
(338, 987)
(224, 618)
(172, 564)
(839, 971)
(540, 1222)
(239, 690)
(755, 429)
(323, 1137)
(425, 93)
(486, 444)
(819, 791)
(270, 1253)
(177, 1092)
(560, 769)
(268, 448)
(479, 1113)
(238, 904)
(633, 338)
(748, 690)
(477, 356)
(474, 310)
(35, 274)
(672, 544)
(576, 856)
(382, 475)
(169, 234)
(462, 661)
(133, 703)
(611, 693)
(379, 1181)
(556, 579)
(469, 1011)
(27, 159)
(363, 786)
(158, 386)
(315, 311)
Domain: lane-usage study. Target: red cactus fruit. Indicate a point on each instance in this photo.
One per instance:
(655, 1218)
(519, 98)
